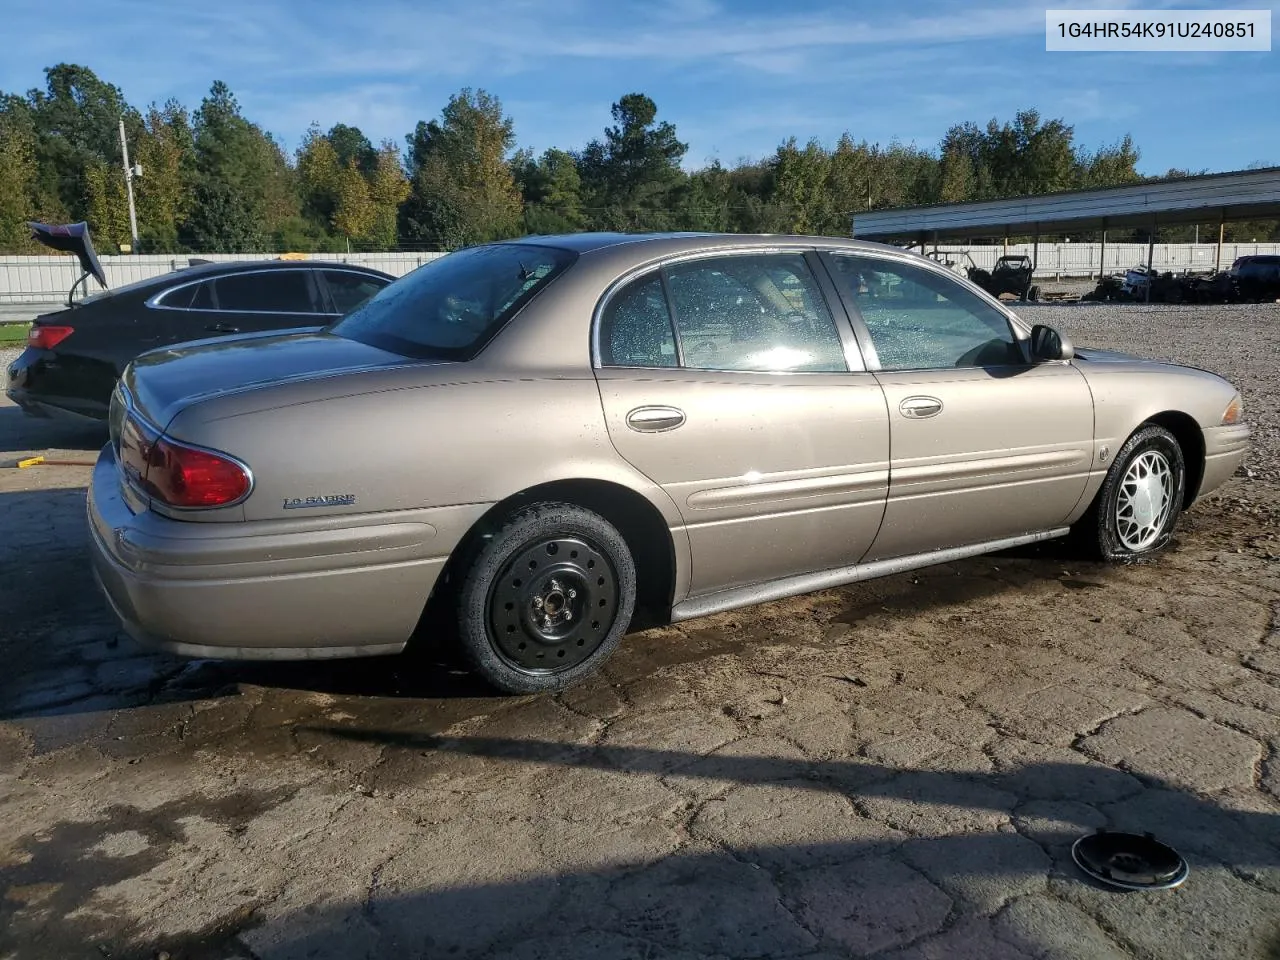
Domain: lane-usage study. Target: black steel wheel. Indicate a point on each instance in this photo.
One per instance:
(547, 599)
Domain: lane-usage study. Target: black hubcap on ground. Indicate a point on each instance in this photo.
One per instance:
(552, 605)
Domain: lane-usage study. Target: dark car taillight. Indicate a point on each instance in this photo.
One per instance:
(179, 475)
(47, 336)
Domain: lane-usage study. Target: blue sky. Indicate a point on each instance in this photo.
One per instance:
(735, 76)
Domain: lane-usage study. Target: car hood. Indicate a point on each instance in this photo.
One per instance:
(1109, 356)
(162, 382)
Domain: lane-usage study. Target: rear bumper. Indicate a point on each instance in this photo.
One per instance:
(266, 590)
(1224, 450)
(25, 385)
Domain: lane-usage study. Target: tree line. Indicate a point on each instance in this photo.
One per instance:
(212, 180)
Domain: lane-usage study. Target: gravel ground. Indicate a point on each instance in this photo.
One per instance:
(893, 769)
(1238, 342)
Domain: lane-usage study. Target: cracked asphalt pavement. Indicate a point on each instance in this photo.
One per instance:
(894, 769)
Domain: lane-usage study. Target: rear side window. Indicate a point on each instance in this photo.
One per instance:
(451, 307)
(348, 290)
(271, 291)
(635, 328)
(202, 298)
(759, 312)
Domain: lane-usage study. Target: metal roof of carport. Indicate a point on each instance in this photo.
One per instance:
(1243, 195)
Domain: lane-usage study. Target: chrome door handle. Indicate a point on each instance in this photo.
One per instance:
(920, 408)
(655, 419)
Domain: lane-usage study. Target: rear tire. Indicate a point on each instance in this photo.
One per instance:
(547, 599)
(1137, 508)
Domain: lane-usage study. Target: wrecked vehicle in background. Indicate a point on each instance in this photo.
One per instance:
(1011, 274)
(1256, 278)
(1141, 285)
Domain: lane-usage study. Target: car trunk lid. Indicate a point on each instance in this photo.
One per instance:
(163, 382)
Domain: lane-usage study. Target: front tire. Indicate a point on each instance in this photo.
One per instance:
(1137, 508)
(547, 599)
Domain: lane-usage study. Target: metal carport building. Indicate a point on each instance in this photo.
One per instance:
(1242, 195)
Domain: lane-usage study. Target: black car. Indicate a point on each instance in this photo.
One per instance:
(1256, 277)
(75, 356)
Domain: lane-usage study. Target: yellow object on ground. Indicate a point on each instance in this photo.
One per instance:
(42, 462)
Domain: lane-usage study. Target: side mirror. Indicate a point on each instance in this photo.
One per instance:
(1048, 344)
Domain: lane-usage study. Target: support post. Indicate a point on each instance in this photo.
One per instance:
(1035, 252)
(1217, 257)
(1006, 242)
(1102, 254)
(1151, 253)
(128, 182)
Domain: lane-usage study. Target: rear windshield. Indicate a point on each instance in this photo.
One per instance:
(451, 307)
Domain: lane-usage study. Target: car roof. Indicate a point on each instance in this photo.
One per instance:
(241, 266)
(663, 244)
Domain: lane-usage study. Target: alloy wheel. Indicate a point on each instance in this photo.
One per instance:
(1145, 500)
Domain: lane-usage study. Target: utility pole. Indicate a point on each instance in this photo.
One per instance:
(129, 173)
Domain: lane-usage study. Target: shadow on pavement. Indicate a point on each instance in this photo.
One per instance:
(64, 649)
(20, 432)
(753, 888)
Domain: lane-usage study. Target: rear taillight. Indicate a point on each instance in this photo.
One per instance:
(47, 336)
(183, 476)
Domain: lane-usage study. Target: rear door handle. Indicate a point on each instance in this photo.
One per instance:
(222, 328)
(920, 408)
(655, 419)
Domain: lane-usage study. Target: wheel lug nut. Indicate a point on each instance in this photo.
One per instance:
(537, 603)
(572, 593)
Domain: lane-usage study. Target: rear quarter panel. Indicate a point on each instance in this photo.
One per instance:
(411, 438)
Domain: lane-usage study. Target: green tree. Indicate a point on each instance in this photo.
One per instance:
(17, 175)
(165, 149)
(108, 204)
(631, 177)
(848, 185)
(244, 173)
(350, 143)
(388, 188)
(800, 185)
(355, 213)
(76, 120)
(223, 220)
(319, 173)
(1110, 166)
(552, 193)
(463, 190)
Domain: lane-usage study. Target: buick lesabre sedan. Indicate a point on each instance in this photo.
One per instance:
(544, 437)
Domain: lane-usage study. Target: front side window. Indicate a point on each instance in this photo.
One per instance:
(923, 320)
(269, 291)
(451, 307)
(759, 312)
(635, 327)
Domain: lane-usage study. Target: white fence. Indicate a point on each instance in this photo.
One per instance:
(1066, 260)
(46, 279)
